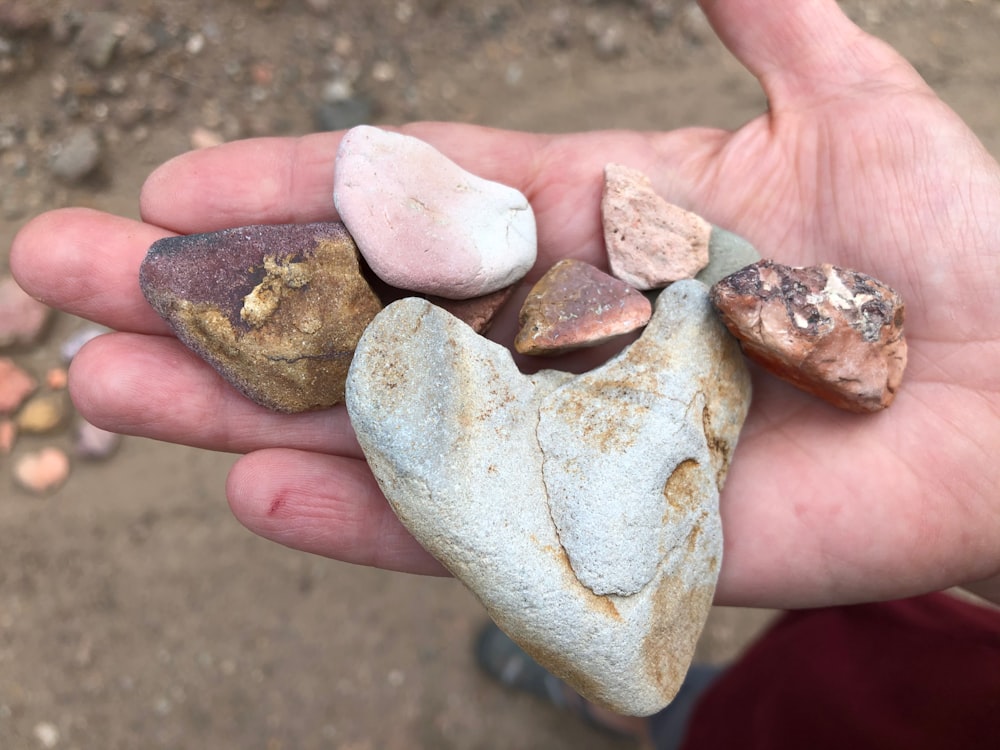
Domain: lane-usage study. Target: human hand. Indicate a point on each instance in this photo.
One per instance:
(856, 163)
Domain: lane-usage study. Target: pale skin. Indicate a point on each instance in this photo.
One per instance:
(856, 163)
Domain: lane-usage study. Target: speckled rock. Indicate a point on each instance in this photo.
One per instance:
(425, 224)
(277, 310)
(833, 332)
(576, 305)
(650, 242)
(581, 510)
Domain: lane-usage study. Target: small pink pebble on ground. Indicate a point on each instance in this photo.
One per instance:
(42, 471)
(650, 242)
(576, 305)
(15, 386)
(22, 317)
(95, 444)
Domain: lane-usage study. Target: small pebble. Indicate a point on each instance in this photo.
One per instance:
(15, 386)
(76, 340)
(575, 305)
(43, 412)
(343, 114)
(22, 317)
(76, 157)
(477, 312)
(99, 37)
(650, 242)
(42, 471)
(830, 331)
(57, 378)
(8, 436)
(93, 443)
(204, 138)
(727, 254)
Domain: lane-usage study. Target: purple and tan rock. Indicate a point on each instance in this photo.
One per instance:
(576, 305)
(830, 331)
(276, 310)
(650, 242)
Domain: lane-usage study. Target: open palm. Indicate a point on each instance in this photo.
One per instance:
(856, 163)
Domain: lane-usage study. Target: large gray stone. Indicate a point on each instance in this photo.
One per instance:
(581, 510)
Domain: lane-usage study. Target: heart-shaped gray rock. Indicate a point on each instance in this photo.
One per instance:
(581, 510)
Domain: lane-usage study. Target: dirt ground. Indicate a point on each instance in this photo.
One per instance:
(134, 611)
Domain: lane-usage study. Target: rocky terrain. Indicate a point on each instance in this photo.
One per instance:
(134, 612)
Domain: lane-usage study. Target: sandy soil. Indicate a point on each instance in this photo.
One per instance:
(134, 611)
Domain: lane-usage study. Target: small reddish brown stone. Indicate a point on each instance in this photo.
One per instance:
(833, 332)
(478, 312)
(576, 305)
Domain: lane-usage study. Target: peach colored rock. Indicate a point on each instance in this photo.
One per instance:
(44, 412)
(830, 331)
(57, 378)
(277, 310)
(43, 471)
(576, 305)
(22, 318)
(425, 224)
(650, 242)
(15, 386)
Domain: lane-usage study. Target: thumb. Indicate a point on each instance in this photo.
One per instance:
(803, 51)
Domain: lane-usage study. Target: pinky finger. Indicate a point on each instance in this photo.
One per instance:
(326, 505)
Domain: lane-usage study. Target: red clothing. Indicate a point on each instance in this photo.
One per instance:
(918, 674)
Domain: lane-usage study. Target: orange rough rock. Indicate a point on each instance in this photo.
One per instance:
(832, 332)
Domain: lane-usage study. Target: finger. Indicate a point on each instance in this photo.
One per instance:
(154, 387)
(327, 505)
(87, 263)
(290, 180)
(804, 51)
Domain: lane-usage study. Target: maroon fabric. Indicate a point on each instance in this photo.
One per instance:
(917, 673)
